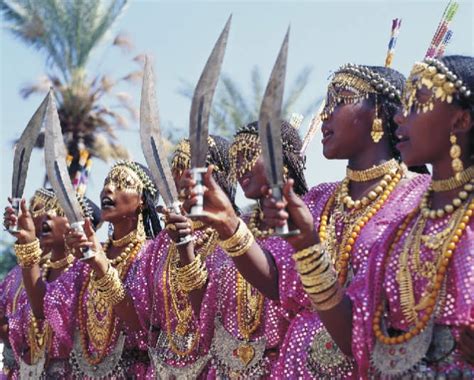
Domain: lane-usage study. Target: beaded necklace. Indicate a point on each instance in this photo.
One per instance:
(254, 222)
(433, 291)
(97, 320)
(353, 225)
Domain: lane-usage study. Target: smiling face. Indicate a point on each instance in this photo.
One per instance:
(121, 196)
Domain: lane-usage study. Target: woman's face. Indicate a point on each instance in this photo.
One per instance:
(252, 181)
(424, 136)
(346, 131)
(52, 231)
(121, 196)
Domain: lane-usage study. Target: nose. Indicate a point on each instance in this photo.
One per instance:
(109, 188)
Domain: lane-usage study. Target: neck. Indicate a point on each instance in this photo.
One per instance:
(58, 253)
(124, 227)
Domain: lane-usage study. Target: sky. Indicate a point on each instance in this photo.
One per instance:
(179, 36)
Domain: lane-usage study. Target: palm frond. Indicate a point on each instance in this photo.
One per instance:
(296, 91)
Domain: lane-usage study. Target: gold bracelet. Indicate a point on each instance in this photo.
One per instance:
(189, 269)
(231, 242)
(324, 276)
(242, 248)
(28, 254)
(196, 282)
(192, 276)
(110, 287)
(307, 267)
(332, 301)
(312, 250)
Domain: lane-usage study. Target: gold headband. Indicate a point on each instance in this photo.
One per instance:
(129, 176)
(49, 204)
(182, 156)
(435, 76)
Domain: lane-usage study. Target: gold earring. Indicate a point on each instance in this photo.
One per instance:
(377, 127)
(455, 153)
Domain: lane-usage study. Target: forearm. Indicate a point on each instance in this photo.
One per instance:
(125, 310)
(4, 330)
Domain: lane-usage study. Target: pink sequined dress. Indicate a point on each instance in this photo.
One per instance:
(433, 353)
(178, 342)
(65, 308)
(232, 353)
(12, 294)
(308, 350)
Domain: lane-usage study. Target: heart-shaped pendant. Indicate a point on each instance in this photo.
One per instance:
(246, 353)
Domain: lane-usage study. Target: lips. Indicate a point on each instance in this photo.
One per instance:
(45, 229)
(403, 141)
(327, 134)
(107, 203)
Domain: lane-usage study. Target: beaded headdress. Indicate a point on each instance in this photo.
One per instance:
(247, 144)
(435, 75)
(182, 156)
(44, 201)
(133, 178)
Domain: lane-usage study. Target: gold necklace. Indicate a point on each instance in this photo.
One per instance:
(372, 173)
(254, 221)
(38, 338)
(452, 183)
(249, 307)
(447, 209)
(136, 234)
(65, 262)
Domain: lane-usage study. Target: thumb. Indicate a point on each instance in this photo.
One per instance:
(88, 229)
(209, 179)
(23, 207)
(289, 192)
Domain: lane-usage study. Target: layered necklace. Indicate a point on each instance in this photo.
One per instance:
(97, 320)
(359, 212)
(442, 245)
(176, 301)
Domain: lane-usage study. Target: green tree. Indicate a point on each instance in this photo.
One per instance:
(67, 32)
(7, 258)
(233, 108)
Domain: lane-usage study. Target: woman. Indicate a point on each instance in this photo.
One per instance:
(420, 295)
(167, 297)
(92, 309)
(38, 350)
(12, 285)
(360, 106)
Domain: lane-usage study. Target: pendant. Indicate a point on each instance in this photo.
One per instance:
(398, 359)
(245, 353)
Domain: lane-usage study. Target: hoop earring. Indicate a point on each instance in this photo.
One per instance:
(455, 153)
(377, 125)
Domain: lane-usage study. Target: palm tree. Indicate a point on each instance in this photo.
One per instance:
(67, 31)
(232, 108)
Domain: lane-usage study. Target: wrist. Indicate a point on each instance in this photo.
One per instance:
(99, 264)
(305, 240)
(226, 230)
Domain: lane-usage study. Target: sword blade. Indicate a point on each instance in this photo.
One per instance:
(56, 167)
(23, 149)
(150, 136)
(202, 100)
(270, 118)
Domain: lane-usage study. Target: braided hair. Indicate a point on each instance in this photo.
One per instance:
(463, 67)
(292, 159)
(151, 220)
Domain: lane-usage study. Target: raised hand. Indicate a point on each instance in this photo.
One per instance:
(77, 241)
(219, 211)
(26, 227)
(177, 226)
(293, 210)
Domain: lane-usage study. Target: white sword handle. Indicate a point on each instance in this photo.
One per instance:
(16, 207)
(86, 253)
(282, 231)
(198, 208)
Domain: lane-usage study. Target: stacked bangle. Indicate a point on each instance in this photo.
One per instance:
(28, 254)
(192, 276)
(110, 287)
(240, 242)
(318, 276)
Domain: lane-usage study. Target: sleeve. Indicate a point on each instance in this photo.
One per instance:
(18, 327)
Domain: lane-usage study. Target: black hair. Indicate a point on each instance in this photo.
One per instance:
(93, 212)
(218, 155)
(463, 67)
(151, 220)
(292, 158)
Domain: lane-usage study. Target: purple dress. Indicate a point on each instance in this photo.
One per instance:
(433, 352)
(67, 312)
(308, 350)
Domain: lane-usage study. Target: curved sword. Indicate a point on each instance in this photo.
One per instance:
(56, 168)
(21, 160)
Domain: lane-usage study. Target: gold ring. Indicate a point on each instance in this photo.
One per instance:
(170, 227)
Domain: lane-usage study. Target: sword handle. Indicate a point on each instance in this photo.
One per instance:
(282, 231)
(86, 253)
(176, 207)
(198, 208)
(16, 207)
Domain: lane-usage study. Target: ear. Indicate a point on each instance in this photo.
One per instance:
(462, 123)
